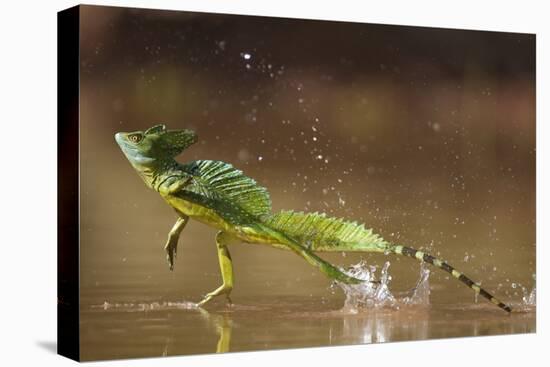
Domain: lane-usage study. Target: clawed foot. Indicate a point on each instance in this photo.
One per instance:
(221, 290)
(171, 246)
(171, 249)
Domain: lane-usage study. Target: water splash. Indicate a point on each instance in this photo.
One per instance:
(375, 291)
(532, 300)
(421, 292)
(528, 302)
(140, 307)
(372, 293)
(529, 298)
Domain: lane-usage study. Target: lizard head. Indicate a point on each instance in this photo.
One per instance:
(154, 144)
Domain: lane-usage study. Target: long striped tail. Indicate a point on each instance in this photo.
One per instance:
(419, 255)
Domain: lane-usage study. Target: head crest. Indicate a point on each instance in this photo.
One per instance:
(172, 142)
(158, 129)
(176, 141)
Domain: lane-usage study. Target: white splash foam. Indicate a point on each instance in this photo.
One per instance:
(375, 291)
(421, 292)
(530, 298)
(129, 306)
(372, 293)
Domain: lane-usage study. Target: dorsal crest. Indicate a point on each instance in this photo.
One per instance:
(220, 180)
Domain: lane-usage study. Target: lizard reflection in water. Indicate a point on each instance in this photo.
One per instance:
(219, 195)
(223, 325)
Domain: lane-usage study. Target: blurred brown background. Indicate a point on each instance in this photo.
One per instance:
(426, 135)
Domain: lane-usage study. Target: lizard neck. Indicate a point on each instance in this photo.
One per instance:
(155, 170)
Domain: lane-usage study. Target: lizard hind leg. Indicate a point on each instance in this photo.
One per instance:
(325, 267)
(226, 267)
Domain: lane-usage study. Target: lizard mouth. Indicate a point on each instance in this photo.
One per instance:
(126, 148)
(119, 138)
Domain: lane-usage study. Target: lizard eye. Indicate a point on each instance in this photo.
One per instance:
(135, 138)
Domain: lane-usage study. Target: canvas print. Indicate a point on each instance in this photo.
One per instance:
(242, 183)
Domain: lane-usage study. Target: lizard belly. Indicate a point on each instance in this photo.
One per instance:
(248, 233)
(199, 213)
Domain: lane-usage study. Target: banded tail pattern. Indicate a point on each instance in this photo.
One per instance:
(419, 255)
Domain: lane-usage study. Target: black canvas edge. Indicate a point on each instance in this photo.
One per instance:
(68, 218)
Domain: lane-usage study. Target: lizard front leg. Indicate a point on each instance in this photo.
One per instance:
(226, 267)
(171, 246)
(173, 184)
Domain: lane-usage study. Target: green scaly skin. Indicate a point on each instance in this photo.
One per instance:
(217, 194)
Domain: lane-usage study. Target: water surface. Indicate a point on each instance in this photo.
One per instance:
(146, 329)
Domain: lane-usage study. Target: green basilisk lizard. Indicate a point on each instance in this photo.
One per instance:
(219, 195)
